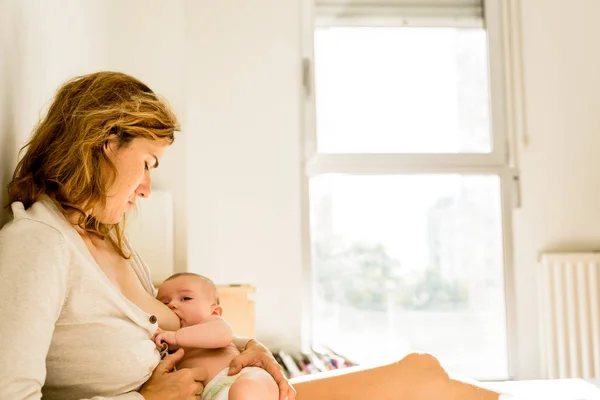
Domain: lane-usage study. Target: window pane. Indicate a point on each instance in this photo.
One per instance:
(410, 262)
(402, 90)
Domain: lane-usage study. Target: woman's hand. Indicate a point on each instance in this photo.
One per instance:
(257, 355)
(185, 384)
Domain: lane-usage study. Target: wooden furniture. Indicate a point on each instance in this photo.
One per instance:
(238, 308)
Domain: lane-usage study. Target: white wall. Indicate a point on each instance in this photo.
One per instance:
(560, 166)
(41, 46)
(9, 36)
(146, 38)
(243, 120)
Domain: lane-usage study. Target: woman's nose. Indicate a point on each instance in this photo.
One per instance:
(143, 190)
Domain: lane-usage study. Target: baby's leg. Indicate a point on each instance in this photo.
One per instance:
(254, 384)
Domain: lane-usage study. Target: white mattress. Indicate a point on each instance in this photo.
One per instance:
(554, 389)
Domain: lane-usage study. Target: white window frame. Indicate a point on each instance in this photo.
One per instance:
(498, 162)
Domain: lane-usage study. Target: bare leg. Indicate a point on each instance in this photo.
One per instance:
(254, 384)
(415, 377)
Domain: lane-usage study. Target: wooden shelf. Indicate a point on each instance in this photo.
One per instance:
(238, 308)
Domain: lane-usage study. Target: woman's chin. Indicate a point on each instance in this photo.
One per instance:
(110, 219)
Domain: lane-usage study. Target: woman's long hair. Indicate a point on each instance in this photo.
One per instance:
(65, 158)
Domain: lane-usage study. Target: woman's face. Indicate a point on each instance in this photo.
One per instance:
(134, 164)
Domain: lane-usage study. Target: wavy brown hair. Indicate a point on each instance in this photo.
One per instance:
(65, 158)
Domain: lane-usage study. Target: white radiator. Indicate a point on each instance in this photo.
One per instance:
(570, 315)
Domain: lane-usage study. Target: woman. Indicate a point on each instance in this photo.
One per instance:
(77, 304)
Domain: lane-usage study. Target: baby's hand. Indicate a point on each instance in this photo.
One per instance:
(168, 337)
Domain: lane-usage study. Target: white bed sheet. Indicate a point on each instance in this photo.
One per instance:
(554, 389)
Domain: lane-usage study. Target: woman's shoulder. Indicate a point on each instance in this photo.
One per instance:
(40, 220)
(31, 239)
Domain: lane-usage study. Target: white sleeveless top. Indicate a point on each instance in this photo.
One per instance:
(65, 331)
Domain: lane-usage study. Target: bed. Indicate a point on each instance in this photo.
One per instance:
(554, 389)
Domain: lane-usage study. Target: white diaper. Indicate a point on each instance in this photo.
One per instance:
(218, 387)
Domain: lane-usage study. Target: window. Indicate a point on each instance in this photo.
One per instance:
(407, 176)
(378, 89)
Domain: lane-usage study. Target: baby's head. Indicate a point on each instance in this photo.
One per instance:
(191, 296)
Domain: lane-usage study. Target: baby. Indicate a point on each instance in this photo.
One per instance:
(207, 341)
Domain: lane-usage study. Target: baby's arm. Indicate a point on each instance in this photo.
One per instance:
(212, 333)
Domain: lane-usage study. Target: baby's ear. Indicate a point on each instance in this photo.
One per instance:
(217, 310)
